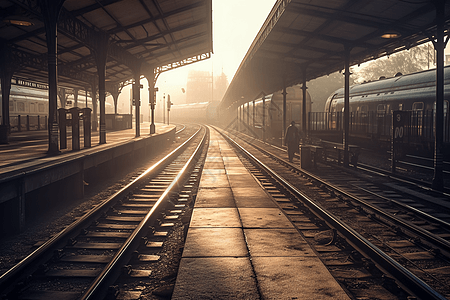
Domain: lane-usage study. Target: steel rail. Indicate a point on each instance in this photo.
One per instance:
(181, 129)
(110, 273)
(420, 184)
(415, 229)
(44, 252)
(405, 278)
(438, 241)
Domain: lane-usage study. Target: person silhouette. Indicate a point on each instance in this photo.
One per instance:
(291, 140)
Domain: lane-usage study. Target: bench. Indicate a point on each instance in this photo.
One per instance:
(310, 154)
(339, 148)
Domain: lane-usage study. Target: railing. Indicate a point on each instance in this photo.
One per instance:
(27, 122)
(420, 124)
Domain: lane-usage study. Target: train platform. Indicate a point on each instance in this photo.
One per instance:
(240, 245)
(29, 148)
(31, 180)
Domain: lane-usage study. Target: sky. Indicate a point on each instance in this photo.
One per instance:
(235, 26)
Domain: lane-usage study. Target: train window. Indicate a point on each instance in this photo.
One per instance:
(381, 108)
(20, 106)
(417, 106)
(32, 107)
(400, 106)
(364, 108)
(41, 107)
(11, 106)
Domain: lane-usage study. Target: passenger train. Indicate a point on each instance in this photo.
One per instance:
(251, 114)
(250, 118)
(414, 92)
(372, 104)
(32, 103)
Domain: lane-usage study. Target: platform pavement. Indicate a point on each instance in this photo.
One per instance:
(28, 148)
(241, 246)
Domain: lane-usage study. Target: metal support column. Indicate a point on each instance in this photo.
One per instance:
(164, 109)
(283, 130)
(254, 115)
(151, 80)
(63, 97)
(304, 88)
(346, 105)
(94, 119)
(6, 73)
(100, 54)
(75, 98)
(241, 118)
(152, 96)
(50, 11)
(248, 117)
(86, 94)
(137, 98)
(264, 118)
(115, 96)
(439, 45)
(238, 118)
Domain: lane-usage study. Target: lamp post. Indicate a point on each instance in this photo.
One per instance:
(152, 95)
(169, 104)
(164, 108)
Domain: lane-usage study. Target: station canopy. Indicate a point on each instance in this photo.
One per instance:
(313, 36)
(155, 34)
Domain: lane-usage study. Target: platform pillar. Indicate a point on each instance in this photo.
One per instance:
(100, 54)
(304, 88)
(346, 105)
(283, 130)
(264, 118)
(75, 98)
(253, 116)
(50, 11)
(137, 98)
(152, 89)
(439, 45)
(6, 73)
(94, 121)
(248, 117)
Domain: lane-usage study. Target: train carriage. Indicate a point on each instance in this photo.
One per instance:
(251, 115)
(372, 104)
(28, 106)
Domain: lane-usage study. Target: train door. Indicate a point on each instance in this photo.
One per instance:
(362, 118)
(380, 123)
(332, 113)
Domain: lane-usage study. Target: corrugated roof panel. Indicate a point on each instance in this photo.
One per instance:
(149, 29)
(314, 35)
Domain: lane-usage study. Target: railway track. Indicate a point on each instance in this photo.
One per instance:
(375, 240)
(115, 242)
(413, 169)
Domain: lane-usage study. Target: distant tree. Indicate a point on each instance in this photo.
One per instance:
(321, 88)
(406, 62)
